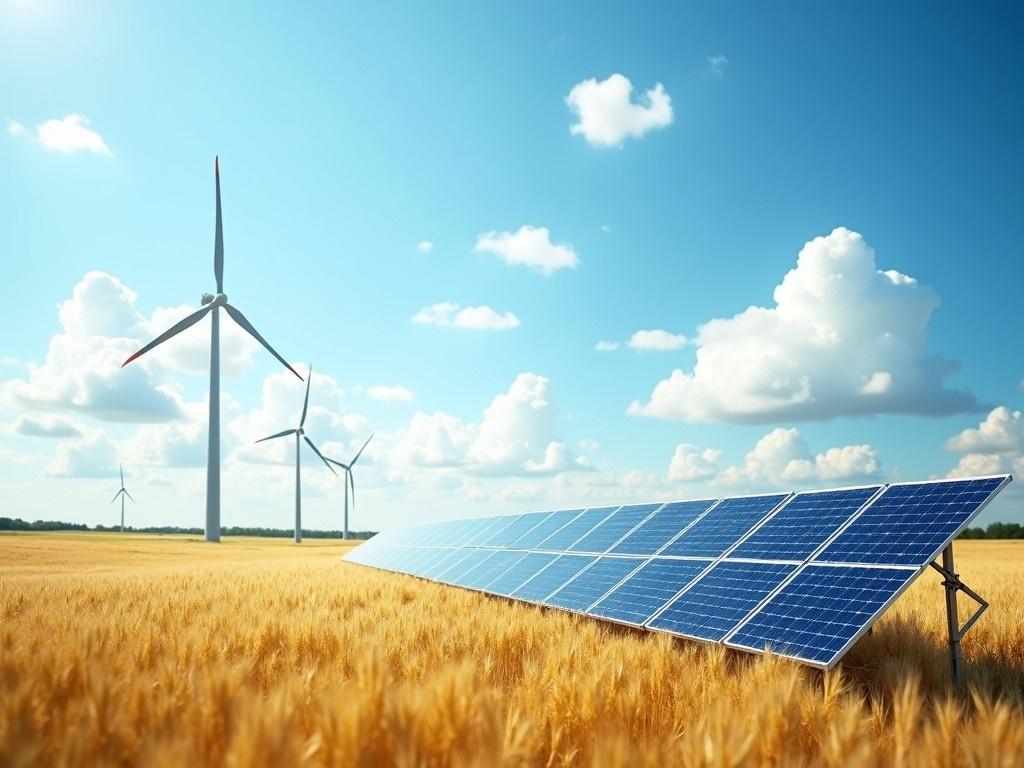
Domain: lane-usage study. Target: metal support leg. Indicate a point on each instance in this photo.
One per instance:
(952, 584)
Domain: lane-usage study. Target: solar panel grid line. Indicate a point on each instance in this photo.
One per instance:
(759, 524)
(709, 537)
(774, 510)
(581, 525)
(610, 520)
(643, 562)
(837, 655)
(533, 523)
(649, 564)
(575, 580)
(688, 526)
(660, 528)
(555, 521)
(514, 577)
(552, 577)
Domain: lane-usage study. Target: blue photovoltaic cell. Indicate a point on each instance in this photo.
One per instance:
(495, 525)
(518, 574)
(909, 524)
(552, 577)
(593, 583)
(461, 567)
(613, 528)
(722, 527)
(536, 535)
(803, 524)
(506, 536)
(444, 562)
(640, 596)
(495, 565)
(720, 599)
(816, 615)
(661, 527)
(470, 530)
(566, 536)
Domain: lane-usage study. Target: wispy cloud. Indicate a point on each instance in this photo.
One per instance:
(451, 315)
(424, 246)
(391, 394)
(717, 64)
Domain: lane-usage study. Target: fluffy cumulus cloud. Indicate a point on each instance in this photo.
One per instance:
(94, 455)
(424, 246)
(607, 346)
(607, 114)
(529, 247)
(100, 327)
(656, 340)
(782, 457)
(65, 134)
(843, 338)
(690, 463)
(996, 445)
(391, 394)
(516, 436)
(451, 315)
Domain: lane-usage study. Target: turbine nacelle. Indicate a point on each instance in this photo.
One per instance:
(218, 300)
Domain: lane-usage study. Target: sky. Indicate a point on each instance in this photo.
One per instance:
(548, 255)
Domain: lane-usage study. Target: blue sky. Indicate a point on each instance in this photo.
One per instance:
(350, 136)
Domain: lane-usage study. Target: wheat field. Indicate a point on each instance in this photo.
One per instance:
(135, 650)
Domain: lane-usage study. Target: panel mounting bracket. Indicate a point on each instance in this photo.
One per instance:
(952, 584)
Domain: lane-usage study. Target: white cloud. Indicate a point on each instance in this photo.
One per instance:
(424, 246)
(996, 445)
(67, 134)
(391, 394)
(46, 425)
(529, 247)
(691, 463)
(606, 229)
(606, 346)
(843, 339)
(93, 455)
(656, 340)
(451, 315)
(516, 436)
(717, 64)
(782, 457)
(607, 114)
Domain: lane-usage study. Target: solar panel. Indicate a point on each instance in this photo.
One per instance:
(553, 576)
(643, 594)
(590, 585)
(614, 528)
(909, 524)
(805, 574)
(517, 575)
(803, 524)
(714, 604)
(661, 527)
(819, 614)
(567, 535)
(720, 528)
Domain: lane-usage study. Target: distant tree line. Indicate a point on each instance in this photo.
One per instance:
(17, 524)
(995, 531)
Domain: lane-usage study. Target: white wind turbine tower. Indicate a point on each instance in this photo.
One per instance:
(350, 481)
(122, 493)
(300, 435)
(212, 305)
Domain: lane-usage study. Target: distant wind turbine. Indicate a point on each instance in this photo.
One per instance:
(300, 435)
(211, 306)
(350, 481)
(122, 493)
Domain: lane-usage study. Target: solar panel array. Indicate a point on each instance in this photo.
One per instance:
(805, 574)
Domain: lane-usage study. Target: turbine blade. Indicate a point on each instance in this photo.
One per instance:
(218, 241)
(352, 482)
(130, 496)
(279, 434)
(305, 403)
(362, 449)
(239, 318)
(121, 467)
(336, 463)
(174, 330)
(115, 497)
(317, 452)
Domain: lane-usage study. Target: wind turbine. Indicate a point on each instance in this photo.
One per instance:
(122, 493)
(350, 481)
(211, 305)
(300, 435)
